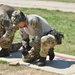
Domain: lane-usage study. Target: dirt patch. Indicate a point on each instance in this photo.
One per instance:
(5, 69)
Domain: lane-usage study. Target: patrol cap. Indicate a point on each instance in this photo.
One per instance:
(17, 17)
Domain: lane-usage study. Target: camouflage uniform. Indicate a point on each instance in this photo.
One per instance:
(43, 42)
(7, 31)
(37, 27)
(47, 42)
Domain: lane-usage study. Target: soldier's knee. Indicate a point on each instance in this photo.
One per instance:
(48, 41)
(43, 40)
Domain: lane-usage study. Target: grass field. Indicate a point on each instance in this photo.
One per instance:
(63, 22)
(3, 62)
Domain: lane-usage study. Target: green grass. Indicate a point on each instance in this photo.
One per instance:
(3, 62)
(63, 22)
(72, 1)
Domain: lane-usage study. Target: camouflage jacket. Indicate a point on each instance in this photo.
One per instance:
(7, 30)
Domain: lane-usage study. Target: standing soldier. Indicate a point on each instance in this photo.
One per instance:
(44, 37)
(7, 31)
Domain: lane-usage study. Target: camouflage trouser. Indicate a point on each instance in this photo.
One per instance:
(6, 44)
(35, 44)
(41, 47)
(33, 53)
(47, 42)
(12, 47)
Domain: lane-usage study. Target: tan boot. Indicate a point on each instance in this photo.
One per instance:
(31, 56)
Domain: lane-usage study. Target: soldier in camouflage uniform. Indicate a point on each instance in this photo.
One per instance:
(7, 31)
(44, 38)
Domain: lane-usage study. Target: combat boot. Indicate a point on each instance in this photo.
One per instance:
(42, 61)
(15, 47)
(4, 52)
(51, 54)
(31, 56)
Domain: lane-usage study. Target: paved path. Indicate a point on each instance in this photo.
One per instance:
(62, 64)
(41, 4)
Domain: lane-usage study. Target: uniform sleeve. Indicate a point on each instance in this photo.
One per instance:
(36, 25)
(9, 31)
